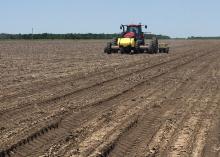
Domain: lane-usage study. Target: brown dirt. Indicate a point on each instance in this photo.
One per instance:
(68, 98)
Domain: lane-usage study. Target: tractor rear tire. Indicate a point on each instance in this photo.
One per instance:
(153, 48)
(131, 52)
(137, 48)
(122, 50)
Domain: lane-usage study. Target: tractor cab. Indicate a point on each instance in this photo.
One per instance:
(132, 31)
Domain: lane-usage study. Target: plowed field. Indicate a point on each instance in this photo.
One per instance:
(69, 99)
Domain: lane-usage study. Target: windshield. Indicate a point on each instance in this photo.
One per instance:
(136, 30)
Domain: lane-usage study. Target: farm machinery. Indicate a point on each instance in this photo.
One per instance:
(132, 40)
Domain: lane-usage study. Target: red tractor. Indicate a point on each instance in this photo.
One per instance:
(132, 40)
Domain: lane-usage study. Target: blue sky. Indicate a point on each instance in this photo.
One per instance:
(177, 18)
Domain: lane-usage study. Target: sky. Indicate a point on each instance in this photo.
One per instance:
(176, 18)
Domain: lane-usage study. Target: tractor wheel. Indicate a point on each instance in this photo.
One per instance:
(137, 48)
(122, 50)
(108, 49)
(130, 52)
(153, 48)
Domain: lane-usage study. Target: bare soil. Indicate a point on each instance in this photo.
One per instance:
(69, 99)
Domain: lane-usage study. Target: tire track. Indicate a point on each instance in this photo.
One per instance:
(174, 68)
(203, 115)
(69, 94)
(165, 94)
(137, 104)
(160, 140)
(134, 140)
(176, 48)
(77, 87)
(212, 145)
(184, 137)
(87, 151)
(201, 137)
(69, 79)
(57, 99)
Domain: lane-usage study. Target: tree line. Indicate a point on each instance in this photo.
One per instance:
(69, 36)
(193, 37)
